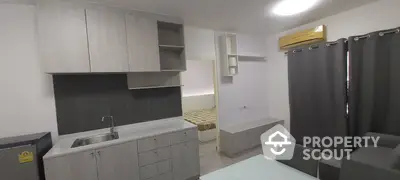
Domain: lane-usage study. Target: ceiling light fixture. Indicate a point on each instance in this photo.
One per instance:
(292, 7)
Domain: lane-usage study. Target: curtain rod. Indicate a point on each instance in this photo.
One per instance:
(362, 37)
(311, 47)
(389, 32)
(382, 33)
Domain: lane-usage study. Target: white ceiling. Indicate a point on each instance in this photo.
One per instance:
(251, 16)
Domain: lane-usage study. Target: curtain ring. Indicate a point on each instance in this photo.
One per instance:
(297, 50)
(381, 34)
(398, 31)
(356, 39)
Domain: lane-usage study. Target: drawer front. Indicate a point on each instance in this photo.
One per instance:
(149, 157)
(154, 142)
(154, 156)
(184, 136)
(147, 144)
(163, 153)
(166, 176)
(164, 167)
(163, 140)
(148, 171)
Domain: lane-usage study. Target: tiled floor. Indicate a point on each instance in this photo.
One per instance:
(211, 160)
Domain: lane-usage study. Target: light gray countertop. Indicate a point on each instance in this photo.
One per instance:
(126, 133)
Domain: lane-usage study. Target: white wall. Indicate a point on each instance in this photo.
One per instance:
(198, 79)
(247, 89)
(198, 102)
(26, 93)
(199, 43)
(371, 17)
(198, 85)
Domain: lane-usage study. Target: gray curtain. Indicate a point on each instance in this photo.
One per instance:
(317, 90)
(374, 96)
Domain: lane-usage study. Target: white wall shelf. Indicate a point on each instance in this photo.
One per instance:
(150, 80)
(228, 54)
(171, 46)
(177, 49)
(155, 87)
(251, 58)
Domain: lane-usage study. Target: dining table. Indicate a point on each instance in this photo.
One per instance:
(258, 168)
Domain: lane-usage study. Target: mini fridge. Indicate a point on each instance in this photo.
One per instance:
(21, 157)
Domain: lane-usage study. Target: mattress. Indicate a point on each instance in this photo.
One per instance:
(205, 119)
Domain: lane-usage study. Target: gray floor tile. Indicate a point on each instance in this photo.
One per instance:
(211, 160)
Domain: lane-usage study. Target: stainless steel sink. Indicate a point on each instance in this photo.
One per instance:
(94, 139)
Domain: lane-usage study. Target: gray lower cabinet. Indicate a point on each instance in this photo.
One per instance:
(168, 156)
(77, 166)
(185, 160)
(117, 162)
(172, 156)
(241, 137)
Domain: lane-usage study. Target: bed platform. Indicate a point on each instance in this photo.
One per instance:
(205, 120)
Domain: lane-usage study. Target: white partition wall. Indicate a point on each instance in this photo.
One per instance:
(242, 98)
(198, 85)
(27, 100)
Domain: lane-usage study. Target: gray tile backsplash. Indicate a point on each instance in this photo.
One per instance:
(81, 101)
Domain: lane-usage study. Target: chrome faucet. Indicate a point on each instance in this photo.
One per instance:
(112, 128)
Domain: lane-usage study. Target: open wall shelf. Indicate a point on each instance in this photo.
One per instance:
(172, 60)
(149, 80)
(171, 46)
(251, 58)
(228, 53)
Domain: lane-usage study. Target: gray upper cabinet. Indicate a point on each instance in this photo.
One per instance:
(77, 166)
(119, 162)
(107, 40)
(142, 43)
(62, 37)
(84, 38)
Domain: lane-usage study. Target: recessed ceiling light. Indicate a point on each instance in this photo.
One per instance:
(292, 7)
